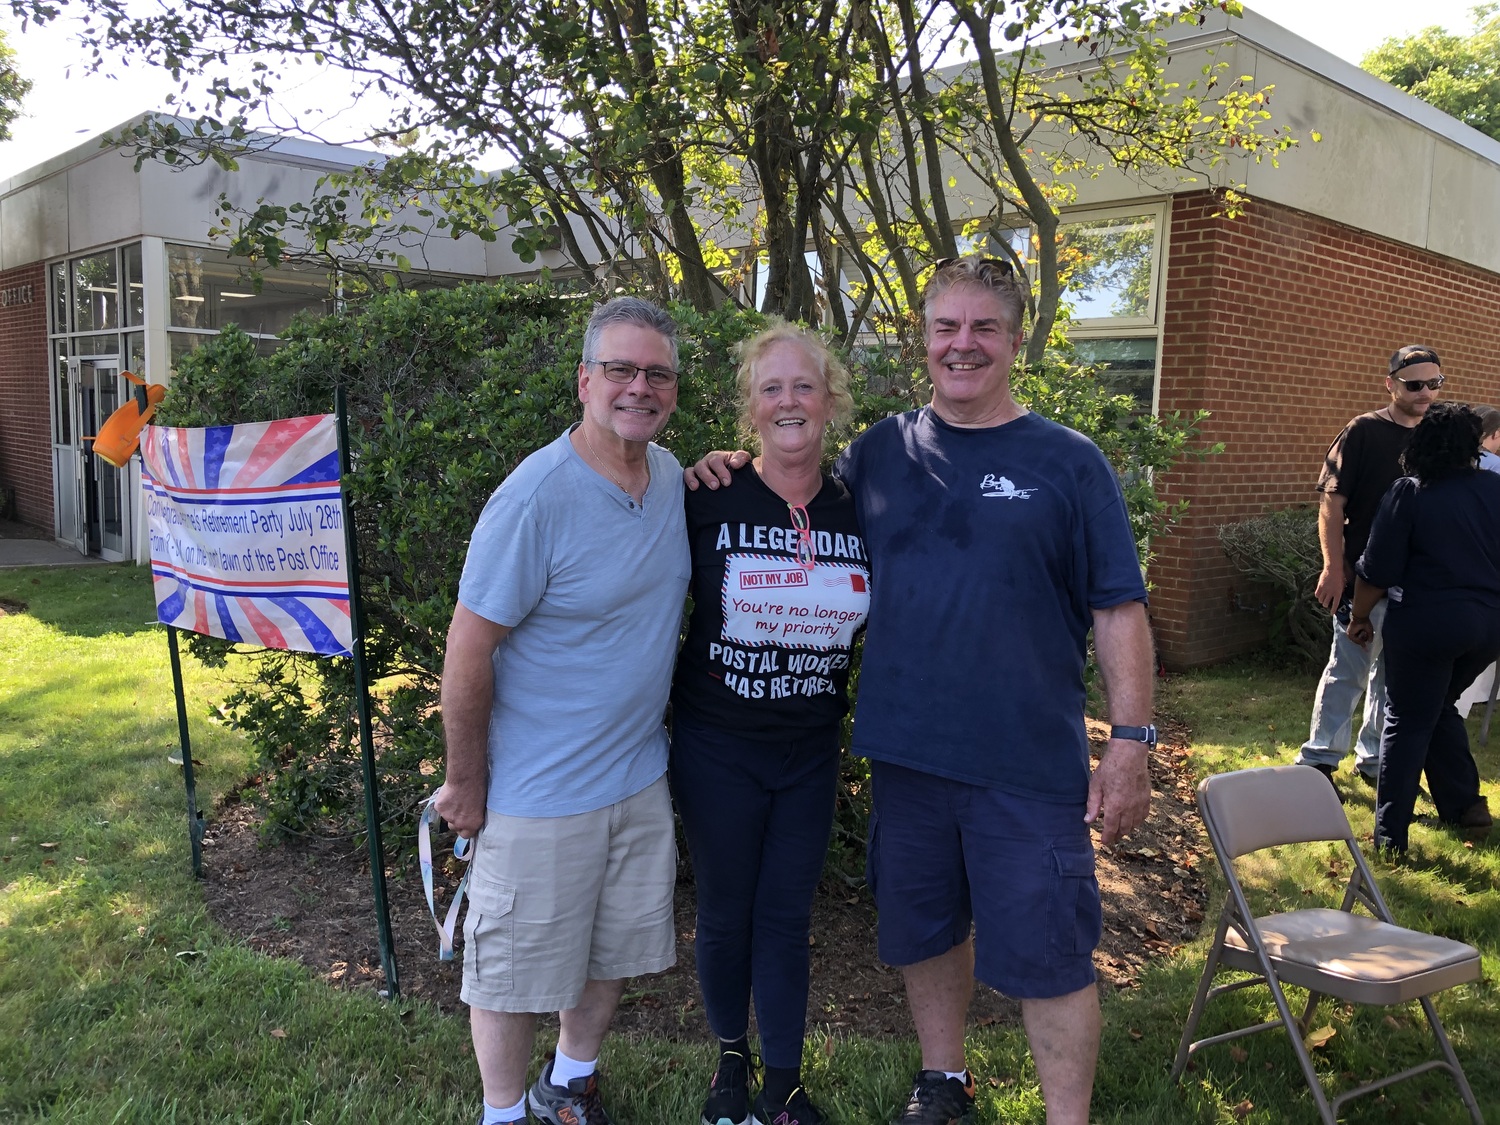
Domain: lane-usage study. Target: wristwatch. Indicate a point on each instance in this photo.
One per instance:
(1146, 734)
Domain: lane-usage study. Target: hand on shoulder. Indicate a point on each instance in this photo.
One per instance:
(714, 469)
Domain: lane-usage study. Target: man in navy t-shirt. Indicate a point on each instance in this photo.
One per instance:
(997, 539)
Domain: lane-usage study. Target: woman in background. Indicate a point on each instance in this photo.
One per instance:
(1434, 550)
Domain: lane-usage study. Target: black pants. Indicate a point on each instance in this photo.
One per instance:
(1432, 653)
(757, 816)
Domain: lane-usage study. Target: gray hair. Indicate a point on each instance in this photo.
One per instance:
(995, 275)
(627, 310)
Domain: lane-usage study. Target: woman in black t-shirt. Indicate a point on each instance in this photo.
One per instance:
(1435, 551)
(780, 586)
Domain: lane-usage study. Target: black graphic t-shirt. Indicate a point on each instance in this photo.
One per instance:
(767, 650)
(1362, 464)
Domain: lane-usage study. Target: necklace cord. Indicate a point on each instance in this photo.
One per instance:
(605, 466)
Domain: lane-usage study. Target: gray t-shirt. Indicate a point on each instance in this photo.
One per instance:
(592, 585)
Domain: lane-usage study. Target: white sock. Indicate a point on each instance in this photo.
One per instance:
(564, 1069)
(961, 1075)
(493, 1116)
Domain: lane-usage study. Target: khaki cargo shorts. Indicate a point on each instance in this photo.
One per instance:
(555, 902)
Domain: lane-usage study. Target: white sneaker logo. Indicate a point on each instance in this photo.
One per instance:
(1002, 487)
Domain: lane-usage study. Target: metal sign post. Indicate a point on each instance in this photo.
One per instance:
(195, 818)
(362, 702)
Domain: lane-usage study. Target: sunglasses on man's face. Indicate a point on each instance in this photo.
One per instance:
(1415, 385)
(982, 266)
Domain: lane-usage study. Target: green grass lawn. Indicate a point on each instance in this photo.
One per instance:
(120, 1001)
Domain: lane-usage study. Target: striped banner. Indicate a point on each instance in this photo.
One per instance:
(247, 532)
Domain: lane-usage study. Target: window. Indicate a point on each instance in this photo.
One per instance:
(96, 292)
(1110, 263)
(62, 422)
(135, 286)
(59, 279)
(1109, 268)
(101, 345)
(134, 355)
(181, 343)
(1128, 364)
(208, 290)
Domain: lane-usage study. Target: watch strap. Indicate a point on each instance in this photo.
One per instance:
(1145, 734)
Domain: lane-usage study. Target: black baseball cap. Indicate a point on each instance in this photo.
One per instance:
(1413, 353)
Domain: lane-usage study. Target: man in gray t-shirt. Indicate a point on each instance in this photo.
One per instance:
(555, 682)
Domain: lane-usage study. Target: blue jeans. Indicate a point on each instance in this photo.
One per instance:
(1353, 673)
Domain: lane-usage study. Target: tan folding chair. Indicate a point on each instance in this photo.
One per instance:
(1359, 959)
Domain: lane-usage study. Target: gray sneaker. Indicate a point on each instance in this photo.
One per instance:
(575, 1104)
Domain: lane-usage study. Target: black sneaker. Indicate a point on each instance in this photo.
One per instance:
(728, 1101)
(1476, 822)
(576, 1104)
(937, 1099)
(796, 1111)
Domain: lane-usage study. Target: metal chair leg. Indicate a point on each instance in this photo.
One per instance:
(1460, 1079)
(1205, 982)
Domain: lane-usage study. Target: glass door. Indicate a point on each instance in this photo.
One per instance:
(65, 458)
(96, 392)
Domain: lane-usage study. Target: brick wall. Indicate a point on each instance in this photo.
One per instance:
(25, 422)
(1281, 324)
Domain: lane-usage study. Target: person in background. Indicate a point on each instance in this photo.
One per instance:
(1434, 554)
(555, 684)
(1362, 463)
(780, 588)
(1489, 438)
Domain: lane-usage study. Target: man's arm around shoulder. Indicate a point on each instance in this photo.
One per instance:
(1120, 788)
(468, 695)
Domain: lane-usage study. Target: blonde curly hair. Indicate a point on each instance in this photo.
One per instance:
(751, 354)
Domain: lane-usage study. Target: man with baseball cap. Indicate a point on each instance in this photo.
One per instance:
(1361, 464)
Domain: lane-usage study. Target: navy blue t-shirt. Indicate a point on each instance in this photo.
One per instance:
(989, 549)
(1437, 542)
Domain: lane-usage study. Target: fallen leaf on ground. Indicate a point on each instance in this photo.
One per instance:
(1318, 1038)
(278, 1033)
(1238, 1054)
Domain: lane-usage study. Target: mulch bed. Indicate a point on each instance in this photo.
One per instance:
(310, 900)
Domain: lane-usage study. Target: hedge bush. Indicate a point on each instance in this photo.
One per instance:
(1280, 550)
(448, 390)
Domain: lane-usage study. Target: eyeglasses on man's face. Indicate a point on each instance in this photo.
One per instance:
(1415, 385)
(618, 371)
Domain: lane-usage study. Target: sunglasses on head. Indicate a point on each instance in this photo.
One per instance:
(1415, 385)
(983, 267)
(806, 557)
